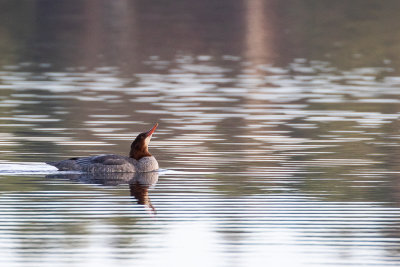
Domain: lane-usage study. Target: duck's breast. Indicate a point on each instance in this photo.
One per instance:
(147, 164)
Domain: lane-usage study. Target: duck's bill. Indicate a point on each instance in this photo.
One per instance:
(149, 133)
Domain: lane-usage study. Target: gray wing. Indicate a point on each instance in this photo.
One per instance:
(102, 163)
(109, 159)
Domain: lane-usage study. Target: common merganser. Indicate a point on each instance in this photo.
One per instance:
(139, 160)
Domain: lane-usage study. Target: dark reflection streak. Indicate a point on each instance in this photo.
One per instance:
(139, 183)
(108, 40)
(91, 39)
(260, 35)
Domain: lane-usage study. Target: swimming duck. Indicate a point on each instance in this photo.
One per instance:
(139, 160)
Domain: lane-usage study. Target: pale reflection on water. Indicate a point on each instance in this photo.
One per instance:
(278, 137)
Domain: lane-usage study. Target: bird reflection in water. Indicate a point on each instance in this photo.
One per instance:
(139, 183)
(139, 189)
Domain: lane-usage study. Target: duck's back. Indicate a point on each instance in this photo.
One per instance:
(107, 163)
(101, 163)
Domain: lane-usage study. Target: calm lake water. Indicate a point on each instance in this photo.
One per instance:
(278, 135)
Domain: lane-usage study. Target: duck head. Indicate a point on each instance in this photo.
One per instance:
(139, 147)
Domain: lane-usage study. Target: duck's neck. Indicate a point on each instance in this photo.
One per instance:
(139, 153)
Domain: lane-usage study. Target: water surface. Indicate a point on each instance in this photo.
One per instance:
(278, 136)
